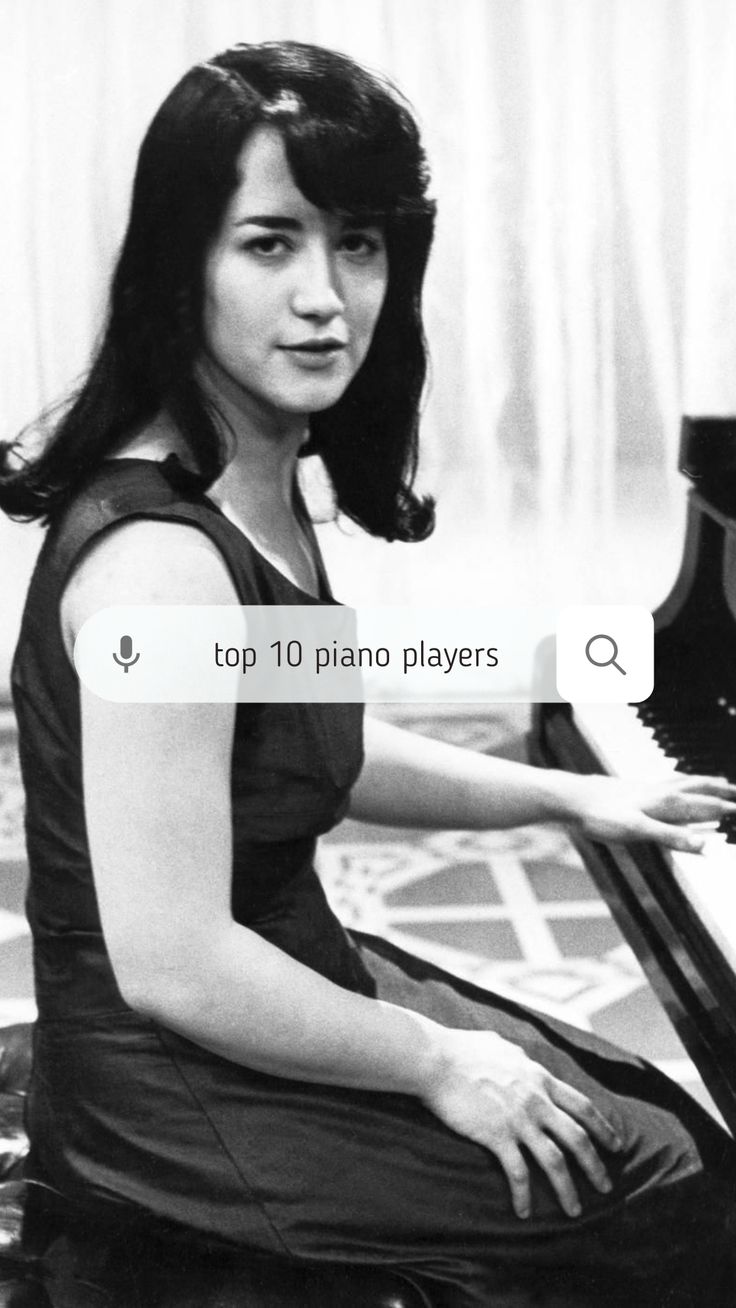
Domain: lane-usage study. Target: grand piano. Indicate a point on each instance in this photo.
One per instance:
(678, 911)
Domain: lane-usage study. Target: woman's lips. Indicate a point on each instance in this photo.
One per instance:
(317, 347)
(315, 354)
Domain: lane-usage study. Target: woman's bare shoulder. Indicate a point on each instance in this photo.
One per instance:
(145, 561)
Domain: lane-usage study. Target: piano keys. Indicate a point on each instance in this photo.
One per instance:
(678, 911)
(627, 746)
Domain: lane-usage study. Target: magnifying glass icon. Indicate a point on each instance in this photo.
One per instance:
(610, 660)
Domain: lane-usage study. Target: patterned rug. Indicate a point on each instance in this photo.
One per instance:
(514, 911)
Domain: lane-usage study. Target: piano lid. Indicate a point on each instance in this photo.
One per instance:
(708, 458)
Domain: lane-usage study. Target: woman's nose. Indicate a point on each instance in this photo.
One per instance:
(317, 293)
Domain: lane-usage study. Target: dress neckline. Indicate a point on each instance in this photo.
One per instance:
(182, 478)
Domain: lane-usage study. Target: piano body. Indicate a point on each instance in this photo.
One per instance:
(678, 911)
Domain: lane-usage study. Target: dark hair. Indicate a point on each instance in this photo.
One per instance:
(353, 148)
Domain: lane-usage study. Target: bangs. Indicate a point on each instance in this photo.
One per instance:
(350, 139)
(352, 172)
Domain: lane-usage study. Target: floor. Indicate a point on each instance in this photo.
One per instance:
(514, 911)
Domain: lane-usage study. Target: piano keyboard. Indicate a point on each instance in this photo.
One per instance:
(627, 748)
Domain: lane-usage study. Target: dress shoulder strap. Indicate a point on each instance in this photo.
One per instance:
(123, 490)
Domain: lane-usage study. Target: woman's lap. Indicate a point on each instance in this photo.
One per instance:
(327, 1175)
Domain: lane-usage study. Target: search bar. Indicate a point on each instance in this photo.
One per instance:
(329, 653)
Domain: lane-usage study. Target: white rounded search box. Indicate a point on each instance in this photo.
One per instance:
(605, 654)
(330, 653)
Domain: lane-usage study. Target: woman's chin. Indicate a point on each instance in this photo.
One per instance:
(312, 399)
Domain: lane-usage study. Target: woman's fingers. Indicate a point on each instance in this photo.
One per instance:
(553, 1162)
(556, 1123)
(638, 826)
(701, 808)
(686, 807)
(641, 827)
(584, 1111)
(718, 786)
(669, 835)
(511, 1159)
(566, 1124)
(692, 799)
(576, 1141)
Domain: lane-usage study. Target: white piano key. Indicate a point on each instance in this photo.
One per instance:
(708, 881)
(625, 746)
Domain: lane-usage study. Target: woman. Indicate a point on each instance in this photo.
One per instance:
(214, 1052)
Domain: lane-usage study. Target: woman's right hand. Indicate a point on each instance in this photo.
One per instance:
(490, 1091)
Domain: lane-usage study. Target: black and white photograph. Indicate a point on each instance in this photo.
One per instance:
(313, 308)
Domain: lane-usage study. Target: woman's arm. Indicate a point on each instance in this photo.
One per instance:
(409, 780)
(157, 805)
(412, 780)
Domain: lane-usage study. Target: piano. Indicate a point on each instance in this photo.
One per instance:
(677, 911)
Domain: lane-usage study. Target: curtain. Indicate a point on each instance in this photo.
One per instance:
(582, 292)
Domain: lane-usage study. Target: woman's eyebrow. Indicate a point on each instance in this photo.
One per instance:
(281, 222)
(270, 220)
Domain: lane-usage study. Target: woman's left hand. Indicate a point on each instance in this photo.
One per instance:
(609, 809)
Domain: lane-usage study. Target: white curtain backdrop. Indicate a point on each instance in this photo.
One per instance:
(582, 293)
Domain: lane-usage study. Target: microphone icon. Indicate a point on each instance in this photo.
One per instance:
(126, 659)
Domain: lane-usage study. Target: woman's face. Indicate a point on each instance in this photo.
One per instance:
(291, 293)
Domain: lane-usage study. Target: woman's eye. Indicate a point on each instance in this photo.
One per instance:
(267, 247)
(362, 245)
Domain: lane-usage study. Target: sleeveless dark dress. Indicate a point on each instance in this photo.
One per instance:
(129, 1118)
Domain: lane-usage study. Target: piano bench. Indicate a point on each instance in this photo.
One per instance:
(49, 1262)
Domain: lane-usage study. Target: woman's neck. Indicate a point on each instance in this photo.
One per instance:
(257, 492)
(263, 445)
(256, 489)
